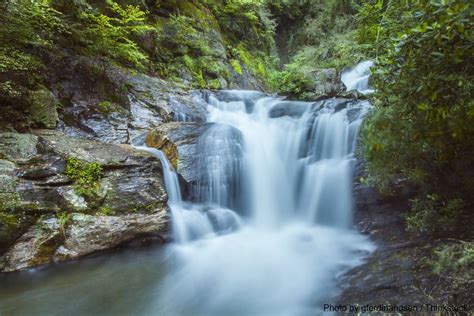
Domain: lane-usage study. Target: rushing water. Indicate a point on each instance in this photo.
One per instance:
(268, 231)
(357, 78)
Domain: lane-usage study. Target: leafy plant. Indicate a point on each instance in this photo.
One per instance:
(106, 211)
(111, 36)
(86, 176)
(64, 219)
(422, 129)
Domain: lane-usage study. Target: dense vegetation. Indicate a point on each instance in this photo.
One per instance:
(422, 129)
(203, 44)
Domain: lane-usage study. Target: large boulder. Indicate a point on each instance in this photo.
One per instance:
(18, 147)
(65, 237)
(293, 109)
(324, 83)
(35, 247)
(36, 181)
(87, 234)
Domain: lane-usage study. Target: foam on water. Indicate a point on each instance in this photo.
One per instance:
(290, 180)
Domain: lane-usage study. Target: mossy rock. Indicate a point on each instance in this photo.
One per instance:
(12, 226)
(43, 109)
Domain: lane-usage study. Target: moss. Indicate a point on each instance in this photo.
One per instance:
(86, 176)
(107, 107)
(43, 108)
(105, 210)
(64, 219)
(9, 202)
(236, 66)
(9, 220)
(214, 84)
(454, 259)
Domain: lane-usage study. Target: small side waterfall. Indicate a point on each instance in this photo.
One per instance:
(357, 78)
(191, 222)
(288, 173)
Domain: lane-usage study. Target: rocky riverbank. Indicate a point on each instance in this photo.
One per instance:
(401, 271)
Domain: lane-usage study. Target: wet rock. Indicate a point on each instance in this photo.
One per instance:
(35, 247)
(141, 103)
(289, 108)
(396, 272)
(179, 141)
(37, 185)
(76, 235)
(12, 226)
(247, 97)
(86, 234)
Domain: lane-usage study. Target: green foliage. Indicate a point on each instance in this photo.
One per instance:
(64, 219)
(422, 129)
(292, 80)
(28, 33)
(86, 176)
(455, 260)
(323, 36)
(105, 211)
(8, 219)
(236, 65)
(111, 36)
(432, 214)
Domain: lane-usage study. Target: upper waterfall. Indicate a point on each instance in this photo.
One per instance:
(357, 78)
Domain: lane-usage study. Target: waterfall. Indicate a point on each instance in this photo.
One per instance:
(357, 78)
(269, 231)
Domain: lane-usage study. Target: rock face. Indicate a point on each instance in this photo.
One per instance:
(396, 273)
(35, 184)
(325, 83)
(179, 141)
(121, 106)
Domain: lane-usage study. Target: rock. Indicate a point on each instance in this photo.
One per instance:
(43, 112)
(122, 115)
(37, 185)
(396, 272)
(77, 235)
(179, 142)
(35, 247)
(289, 108)
(325, 83)
(18, 147)
(86, 234)
(247, 97)
(12, 226)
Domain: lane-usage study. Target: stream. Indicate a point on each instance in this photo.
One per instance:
(267, 230)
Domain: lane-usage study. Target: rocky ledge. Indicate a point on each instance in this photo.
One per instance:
(63, 197)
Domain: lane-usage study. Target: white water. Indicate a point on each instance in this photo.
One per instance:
(290, 179)
(357, 78)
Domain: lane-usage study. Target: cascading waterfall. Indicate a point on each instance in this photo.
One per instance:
(357, 78)
(288, 174)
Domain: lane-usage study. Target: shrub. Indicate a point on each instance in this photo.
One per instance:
(422, 129)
